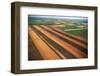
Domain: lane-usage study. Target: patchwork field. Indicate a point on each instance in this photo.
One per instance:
(51, 38)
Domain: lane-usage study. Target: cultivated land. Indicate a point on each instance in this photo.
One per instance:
(53, 43)
(52, 38)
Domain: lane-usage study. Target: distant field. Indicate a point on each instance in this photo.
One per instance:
(76, 29)
(70, 27)
(81, 33)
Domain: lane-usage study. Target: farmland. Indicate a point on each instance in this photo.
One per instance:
(56, 38)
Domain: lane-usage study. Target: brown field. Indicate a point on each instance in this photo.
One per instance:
(50, 43)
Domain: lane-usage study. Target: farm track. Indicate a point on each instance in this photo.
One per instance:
(53, 44)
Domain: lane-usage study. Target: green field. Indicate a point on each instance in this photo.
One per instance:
(75, 29)
(81, 33)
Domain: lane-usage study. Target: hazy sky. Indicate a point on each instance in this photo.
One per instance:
(56, 17)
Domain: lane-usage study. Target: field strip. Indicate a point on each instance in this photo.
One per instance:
(55, 49)
(52, 43)
(76, 52)
(70, 35)
(45, 51)
(32, 51)
(80, 44)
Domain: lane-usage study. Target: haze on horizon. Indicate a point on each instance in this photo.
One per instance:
(57, 17)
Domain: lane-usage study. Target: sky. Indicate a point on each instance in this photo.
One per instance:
(56, 17)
